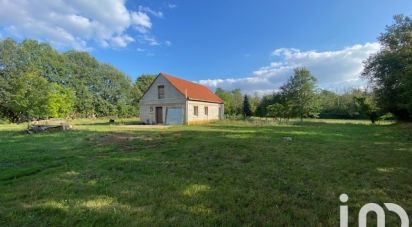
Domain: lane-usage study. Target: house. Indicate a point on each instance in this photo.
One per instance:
(171, 100)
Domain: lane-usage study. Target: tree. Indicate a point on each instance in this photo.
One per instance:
(261, 109)
(365, 105)
(299, 93)
(60, 101)
(143, 82)
(141, 85)
(43, 59)
(390, 70)
(277, 110)
(11, 65)
(30, 99)
(99, 89)
(254, 103)
(237, 101)
(227, 97)
(246, 109)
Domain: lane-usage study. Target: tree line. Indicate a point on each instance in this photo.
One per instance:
(38, 82)
(300, 98)
(390, 77)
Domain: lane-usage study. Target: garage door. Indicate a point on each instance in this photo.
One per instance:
(174, 116)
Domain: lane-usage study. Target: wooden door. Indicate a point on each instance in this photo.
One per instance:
(159, 115)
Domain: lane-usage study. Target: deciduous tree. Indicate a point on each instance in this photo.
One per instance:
(390, 70)
(299, 93)
(30, 98)
(60, 101)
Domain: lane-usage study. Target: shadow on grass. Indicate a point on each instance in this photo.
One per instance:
(112, 123)
(203, 175)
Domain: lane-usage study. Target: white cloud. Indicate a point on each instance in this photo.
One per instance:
(149, 39)
(168, 43)
(334, 70)
(121, 40)
(150, 11)
(75, 23)
(171, 6)
(141, 21)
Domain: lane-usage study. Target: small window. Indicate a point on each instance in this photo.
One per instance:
(151, 109)
(195, 110)
(161, 91)
(206, 110)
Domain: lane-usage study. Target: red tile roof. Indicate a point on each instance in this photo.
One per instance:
(192, 90)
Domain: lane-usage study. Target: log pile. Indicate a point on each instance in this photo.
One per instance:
(45, 126)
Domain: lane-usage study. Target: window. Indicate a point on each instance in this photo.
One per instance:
(151, 109)
(161, 91)
(196, 110)
(206, 110)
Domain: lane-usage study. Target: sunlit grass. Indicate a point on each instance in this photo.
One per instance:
(226, 173)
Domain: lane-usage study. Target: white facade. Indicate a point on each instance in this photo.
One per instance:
(174, 108)
(212, 113)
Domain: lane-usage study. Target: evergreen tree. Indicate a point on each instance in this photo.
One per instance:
(247, 111)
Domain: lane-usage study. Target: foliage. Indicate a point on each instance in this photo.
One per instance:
(387, 117)
(101, 90)
(277, 110)
(254, 102)
(140, 86)
(261, 109)
(297, 97)
(227, 99)
(34, 97)
(98, 89)
(342, 106)
(237, 101)
(30, 98)
(246, 109)
(367, 106)
(60, 101)
(299, 93)
(390, 70)
(325, 104)
(233, 101)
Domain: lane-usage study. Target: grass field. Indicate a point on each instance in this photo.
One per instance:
(226, 173)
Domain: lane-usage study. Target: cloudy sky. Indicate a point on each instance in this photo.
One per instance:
(252, 45)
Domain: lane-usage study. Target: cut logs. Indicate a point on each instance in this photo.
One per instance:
(36, 128)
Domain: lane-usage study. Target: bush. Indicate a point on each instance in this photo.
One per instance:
(4, 120)
(388, 117)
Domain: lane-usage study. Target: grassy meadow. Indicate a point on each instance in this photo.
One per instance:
(226, 173)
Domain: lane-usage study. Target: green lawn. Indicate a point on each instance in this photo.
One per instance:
(226, 173)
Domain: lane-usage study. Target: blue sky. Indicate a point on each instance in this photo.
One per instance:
(253, 45)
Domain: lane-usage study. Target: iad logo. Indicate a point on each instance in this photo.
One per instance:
(372, 207)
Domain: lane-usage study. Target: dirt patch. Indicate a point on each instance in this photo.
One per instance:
(124, 140)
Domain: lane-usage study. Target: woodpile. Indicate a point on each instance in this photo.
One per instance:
(48, 126)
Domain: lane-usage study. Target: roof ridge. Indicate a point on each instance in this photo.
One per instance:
(166, 74)
(192, 90)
